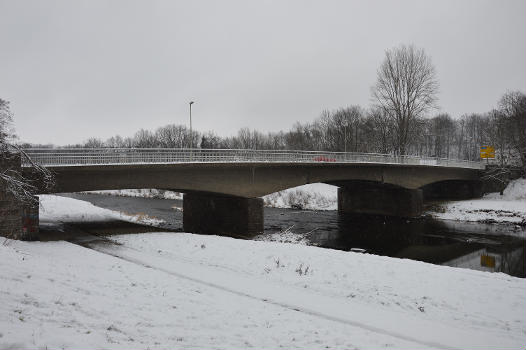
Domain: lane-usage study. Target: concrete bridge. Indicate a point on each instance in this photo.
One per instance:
(222, 187)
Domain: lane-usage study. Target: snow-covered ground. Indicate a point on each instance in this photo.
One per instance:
(317, 196)
(56, 209)
(180, 290)
(287, 235)
(510, 207)
(142, 192)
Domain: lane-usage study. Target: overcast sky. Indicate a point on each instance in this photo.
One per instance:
(75, 69)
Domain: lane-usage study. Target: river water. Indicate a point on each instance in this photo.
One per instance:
(486, 247)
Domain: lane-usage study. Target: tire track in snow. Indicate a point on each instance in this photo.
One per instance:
(105, 250)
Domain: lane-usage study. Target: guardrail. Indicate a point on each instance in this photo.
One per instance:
(112, 156)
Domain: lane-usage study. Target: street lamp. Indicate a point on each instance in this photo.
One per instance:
(345, 137)
(191, 133)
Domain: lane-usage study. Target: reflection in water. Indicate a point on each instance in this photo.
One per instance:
(469, 245)
(511, 262)
(431, 241)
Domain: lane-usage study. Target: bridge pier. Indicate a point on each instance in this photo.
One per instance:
(379, 199)
(224, 215)
(453, 190)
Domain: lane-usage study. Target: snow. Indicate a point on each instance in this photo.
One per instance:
(516, 190)
(64, 296)
(142, 192)
(510, 207)
(284, 236)
(317, 196)
(180, 290)
(61, 209)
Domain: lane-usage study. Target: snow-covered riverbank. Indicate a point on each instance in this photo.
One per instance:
(510, 207)
(57, 209)
(492, 208)
(316, 196)
(180, 290)
(310, 197)
(141, 192)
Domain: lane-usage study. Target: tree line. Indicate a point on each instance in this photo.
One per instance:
(398, 122)
(356, 129)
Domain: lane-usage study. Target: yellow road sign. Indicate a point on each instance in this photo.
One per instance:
(487, 152)
(487, 260)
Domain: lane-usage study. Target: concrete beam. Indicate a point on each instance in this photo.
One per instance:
(224, 215)
(249, 180)
(379, 199)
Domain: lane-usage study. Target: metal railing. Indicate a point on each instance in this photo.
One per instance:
(112, 156)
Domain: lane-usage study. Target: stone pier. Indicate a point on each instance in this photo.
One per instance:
(225, 215)
(379, 199)
(17, 220)
(453, 190)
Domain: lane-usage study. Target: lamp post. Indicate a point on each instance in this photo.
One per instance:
(191, 133)
(345, 138)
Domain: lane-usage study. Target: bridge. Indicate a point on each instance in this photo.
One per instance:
(223, 187)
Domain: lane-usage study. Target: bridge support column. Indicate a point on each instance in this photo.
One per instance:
(17, 220)
(222, 215)
(379, 199)
(453, 190)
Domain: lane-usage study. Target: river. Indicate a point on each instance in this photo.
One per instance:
(486, 247)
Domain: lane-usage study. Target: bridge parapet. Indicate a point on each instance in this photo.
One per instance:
(115, 156)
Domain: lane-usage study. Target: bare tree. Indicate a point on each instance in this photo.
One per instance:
(353, 121)
(174, 136)
(210, 140)
(442, 129)
(11, 179)
(513, 107)
(94, 142)
(381, 130)
(115, 142)
(301, 137)
(406, 88)
(144, 139)
(6, 129)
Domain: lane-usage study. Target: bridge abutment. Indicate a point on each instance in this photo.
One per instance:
(18, 220)
(453, 190)
(379, 199)
(224, 215)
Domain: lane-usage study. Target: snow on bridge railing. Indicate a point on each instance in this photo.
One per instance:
(112, 156)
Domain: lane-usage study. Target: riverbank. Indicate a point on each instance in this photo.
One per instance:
(166, 290)
(316, 196)
(141, 193)
(57, 210)
(510, 207)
